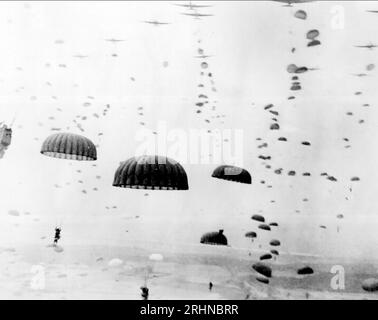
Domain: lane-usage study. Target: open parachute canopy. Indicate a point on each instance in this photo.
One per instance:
(214, 238)
(312, 34)
(151, 172)
(69, 146)
(232, 173)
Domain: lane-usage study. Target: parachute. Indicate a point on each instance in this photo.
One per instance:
(300, 14)
(275, 243)
(291, 68)
(232, 173)
(204, 65)
(156, 257)
(312, 34)
(5, 139)
(262, 269)
(314, 43)
(275, 252)
(251, 234)
(274, 126)
(370, 67)
(295, 87)
(301, 70)
(370, 285)
(69, 146)
(115, 262)
(264, 227)
(266, 256)
(258, 217)
(214, 238)
(151, 172)
(305, 271)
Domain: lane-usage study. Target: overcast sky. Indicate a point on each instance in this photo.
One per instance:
(56, 65)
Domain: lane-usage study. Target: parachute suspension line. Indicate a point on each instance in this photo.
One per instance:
(14, 117)
(13, 120)
(146, 276)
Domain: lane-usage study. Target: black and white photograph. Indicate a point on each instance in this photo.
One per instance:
(189, 150)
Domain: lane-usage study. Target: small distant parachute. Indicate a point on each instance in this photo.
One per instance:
(305, 271)
(275, 243)
(204, 65)
(275, 252)
(262, 269)
(340, 216)
(264, 227)
(295, 87)
(214, 238)
(69, 146)
(251, 234)
(151, 172)
(312, 34)
(58, 249)
(291, 68)
(273, 224)
(370, 285)
(258, 217)
(314, 43)
(14, 213)
(355, 179)
(301, 70)
(232, 173)
(115, 262)
(301, 14)
(274, 126)
(266, 256)
(370, 67)
(156, 257)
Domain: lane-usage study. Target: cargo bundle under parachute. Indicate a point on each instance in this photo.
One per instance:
(5, 138)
